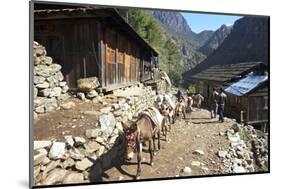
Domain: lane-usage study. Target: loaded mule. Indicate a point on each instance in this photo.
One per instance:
(144, 129)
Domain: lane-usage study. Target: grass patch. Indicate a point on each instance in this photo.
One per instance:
(245, 136)
(264, 168)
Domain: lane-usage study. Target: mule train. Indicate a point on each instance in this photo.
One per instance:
(149, 125)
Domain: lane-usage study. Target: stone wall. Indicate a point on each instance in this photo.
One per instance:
(80, 159)
(248, 151)
(49, 86)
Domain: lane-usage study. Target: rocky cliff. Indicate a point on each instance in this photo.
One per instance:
(248, 41)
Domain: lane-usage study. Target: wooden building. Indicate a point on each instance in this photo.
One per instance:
(94, 42)
(247, 100)
(246, 86)
(221, 75)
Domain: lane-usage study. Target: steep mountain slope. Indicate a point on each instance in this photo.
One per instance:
(176, 24)
(215, 40)
(248, 41)
(177, 28)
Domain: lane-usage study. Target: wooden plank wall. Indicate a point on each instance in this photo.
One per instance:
(73, 44)
(89, 47)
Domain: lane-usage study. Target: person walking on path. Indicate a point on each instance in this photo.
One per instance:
(221, 102)
(214, 103)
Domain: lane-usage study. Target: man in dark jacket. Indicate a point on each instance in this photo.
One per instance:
(221, 102)
(214, 103)
(179, 95)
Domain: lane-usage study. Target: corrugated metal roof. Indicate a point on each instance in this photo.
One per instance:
(246, 85)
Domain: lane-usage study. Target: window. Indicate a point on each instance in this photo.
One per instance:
(265, 102)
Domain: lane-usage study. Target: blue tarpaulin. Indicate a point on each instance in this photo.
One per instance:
(246, 85)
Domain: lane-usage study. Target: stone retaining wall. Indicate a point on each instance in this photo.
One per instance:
(80, 159)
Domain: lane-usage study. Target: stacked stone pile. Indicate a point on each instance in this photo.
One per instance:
(247, 152)
(49, 85)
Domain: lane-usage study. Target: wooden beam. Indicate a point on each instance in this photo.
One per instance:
(101, 55)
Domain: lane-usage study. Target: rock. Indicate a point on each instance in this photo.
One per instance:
(107, 123)
(238, 169)
(52, 165)
(99, 140)
(117, 113)
(38, 80)
(239, 144)
(198, 152)
(206, 169)
(39, 156)
(45, 93)
(35, 92)
(92, 133)
(69, 140)
(58, 76)
(64, 89)
(115, 106)
(195, 163)
(36, 171)
(129, 116)
(101, 150)
(120, 178)
(235, 127)
(43, 85)
(69, 162)
(234, 138)
(57, 150)
(57, 91)
(105, 110)
(222, 154)
(92, 146)
(68, 105)
(88, 84)
(73, 177)
(79, 141)
(55, 67)
(62, 83)
(222, 134)
(81, 96)
(76, 154)
(55, 176)
(37, 144)
(83, 165)
(39, 109)
(119, 126)
(92, 94)
(187, 170)
(46, 161)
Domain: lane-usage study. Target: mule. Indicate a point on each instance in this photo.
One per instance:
(189, 103)
(142, 131)
(180, 108)
(198, 99)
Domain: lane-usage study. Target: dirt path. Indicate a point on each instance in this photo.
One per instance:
(202, 133)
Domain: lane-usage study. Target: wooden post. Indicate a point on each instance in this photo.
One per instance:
(248, 110)
(101, 55)
(241, 117)
(116, 60)
(84, 67)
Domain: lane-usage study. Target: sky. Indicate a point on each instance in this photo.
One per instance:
(199, 22)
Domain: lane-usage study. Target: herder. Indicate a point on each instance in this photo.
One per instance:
(221, 102)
